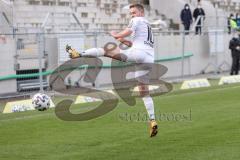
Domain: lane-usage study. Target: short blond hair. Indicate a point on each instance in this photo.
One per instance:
(138, 6)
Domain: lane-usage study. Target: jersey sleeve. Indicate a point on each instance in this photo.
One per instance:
(133, 24)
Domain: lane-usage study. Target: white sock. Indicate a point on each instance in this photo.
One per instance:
(93, 52)
(148, 102)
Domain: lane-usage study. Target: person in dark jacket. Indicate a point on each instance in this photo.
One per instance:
(238, 20)
(234, 46)
(186, 18)
(196, 13)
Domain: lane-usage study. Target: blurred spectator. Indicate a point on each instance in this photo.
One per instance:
(234, 46)
(199, 12)
(233, 23)
(186, 18)
(238, 20)
(229, 23)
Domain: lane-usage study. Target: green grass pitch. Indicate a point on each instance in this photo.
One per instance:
(199, 124)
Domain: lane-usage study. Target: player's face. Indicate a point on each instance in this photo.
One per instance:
(134, 12)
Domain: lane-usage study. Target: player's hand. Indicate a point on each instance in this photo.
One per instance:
(114, 34)
(238, 48)
(125, 42)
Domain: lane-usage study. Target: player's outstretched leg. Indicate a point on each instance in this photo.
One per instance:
(95, 52)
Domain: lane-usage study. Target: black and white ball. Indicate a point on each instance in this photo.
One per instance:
(41, 102)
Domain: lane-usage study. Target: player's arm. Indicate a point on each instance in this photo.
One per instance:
(124, 41)
(121, 36)
(125, 33)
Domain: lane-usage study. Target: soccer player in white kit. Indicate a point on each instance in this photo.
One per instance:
(141, 51)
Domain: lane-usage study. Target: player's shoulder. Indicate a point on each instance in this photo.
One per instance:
(139, 19)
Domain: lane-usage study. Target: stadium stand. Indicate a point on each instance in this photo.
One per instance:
(63, 16)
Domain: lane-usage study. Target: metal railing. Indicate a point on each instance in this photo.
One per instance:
(22, 40)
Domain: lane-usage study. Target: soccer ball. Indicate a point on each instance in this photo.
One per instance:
(41, 102)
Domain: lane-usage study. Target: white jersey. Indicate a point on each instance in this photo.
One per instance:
(142, 36)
